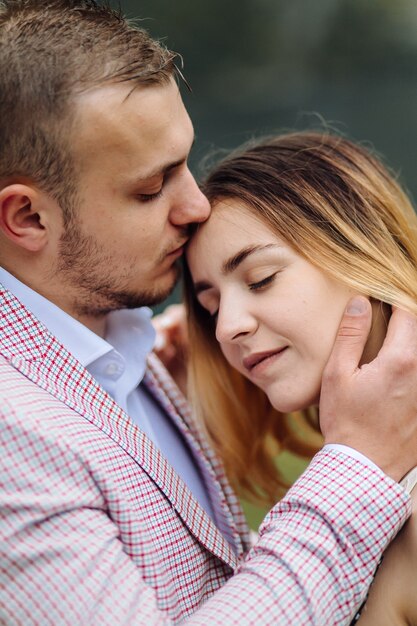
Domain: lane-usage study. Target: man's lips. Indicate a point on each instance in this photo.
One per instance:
(251, 361)
(178, 250)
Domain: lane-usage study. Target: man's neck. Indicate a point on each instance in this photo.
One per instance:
(97, 324)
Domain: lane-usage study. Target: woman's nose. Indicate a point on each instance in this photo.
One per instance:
(234, 323)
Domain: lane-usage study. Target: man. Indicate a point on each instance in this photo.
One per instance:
(113, 509)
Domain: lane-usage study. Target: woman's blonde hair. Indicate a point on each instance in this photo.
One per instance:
(339, 208)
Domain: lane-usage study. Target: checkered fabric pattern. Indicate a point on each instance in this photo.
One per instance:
(96, 527)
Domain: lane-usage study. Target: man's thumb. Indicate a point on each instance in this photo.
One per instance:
(351, 337)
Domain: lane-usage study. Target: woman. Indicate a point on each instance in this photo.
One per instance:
(300, 223)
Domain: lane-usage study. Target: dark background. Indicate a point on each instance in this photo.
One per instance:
(263, 65)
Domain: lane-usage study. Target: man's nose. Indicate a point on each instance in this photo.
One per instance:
(191, 205)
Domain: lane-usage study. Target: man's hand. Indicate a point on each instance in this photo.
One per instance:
(373, 407)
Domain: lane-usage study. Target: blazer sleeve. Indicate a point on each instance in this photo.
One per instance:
(318, 548)
(62, 561)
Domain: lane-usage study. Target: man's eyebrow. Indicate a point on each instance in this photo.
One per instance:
(231, 264)
(162, 170)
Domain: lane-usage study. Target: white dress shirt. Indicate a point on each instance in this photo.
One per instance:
(118, 364)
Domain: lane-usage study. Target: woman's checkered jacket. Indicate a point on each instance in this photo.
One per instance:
(97, 528)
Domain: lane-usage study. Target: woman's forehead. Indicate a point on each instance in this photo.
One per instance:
(230, 228)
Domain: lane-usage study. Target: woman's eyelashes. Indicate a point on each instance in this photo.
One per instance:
(258, 285)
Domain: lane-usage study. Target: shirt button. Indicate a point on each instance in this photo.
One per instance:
(112, 369)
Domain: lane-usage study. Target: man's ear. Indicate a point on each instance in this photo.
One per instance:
(22, 218)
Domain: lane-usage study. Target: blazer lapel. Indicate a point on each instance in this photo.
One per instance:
(31, 349)
(229, 515)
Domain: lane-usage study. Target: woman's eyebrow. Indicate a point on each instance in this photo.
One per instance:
(234, 261)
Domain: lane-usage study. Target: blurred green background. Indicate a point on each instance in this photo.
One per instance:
(261, 66)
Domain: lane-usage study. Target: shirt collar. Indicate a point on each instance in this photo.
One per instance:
(126, 329)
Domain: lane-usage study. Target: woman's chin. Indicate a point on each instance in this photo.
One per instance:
(291, 405)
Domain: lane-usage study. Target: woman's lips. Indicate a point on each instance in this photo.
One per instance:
(257, 362)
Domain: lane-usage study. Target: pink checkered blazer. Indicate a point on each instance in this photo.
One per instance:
(97, 528)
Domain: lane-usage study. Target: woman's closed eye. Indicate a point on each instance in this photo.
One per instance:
(258, 285)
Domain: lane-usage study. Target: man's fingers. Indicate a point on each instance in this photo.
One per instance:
(351, 337)
(171, 333)
(401, 331)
